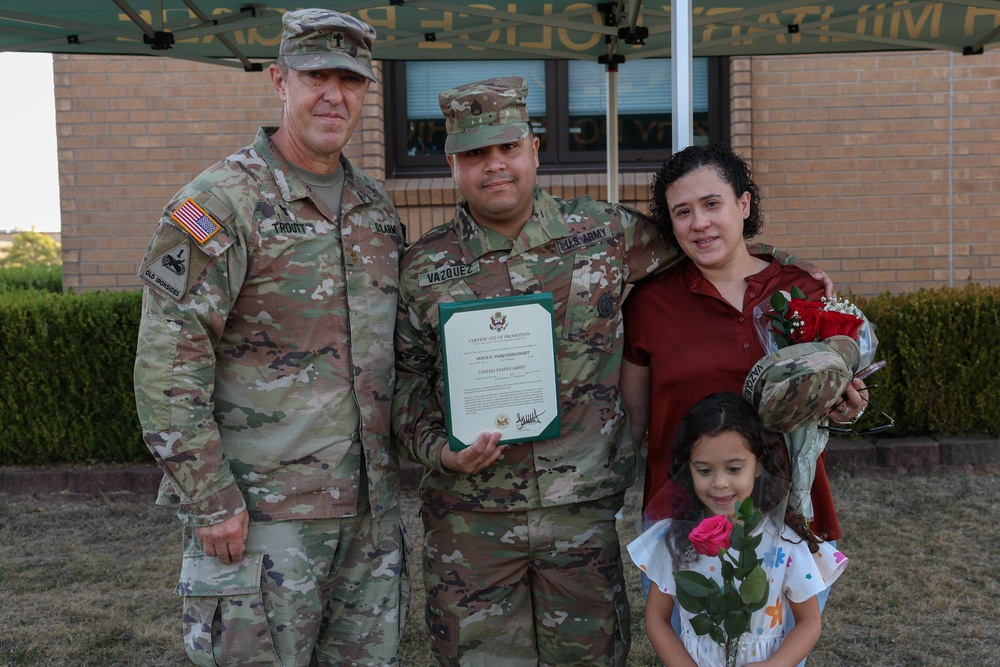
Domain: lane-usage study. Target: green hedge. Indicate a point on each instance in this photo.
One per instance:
(45, 277)
(943, 352)
(66, 361)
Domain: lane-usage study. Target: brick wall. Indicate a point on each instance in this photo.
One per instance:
(856, 155)
(131, 132)
(884, 169)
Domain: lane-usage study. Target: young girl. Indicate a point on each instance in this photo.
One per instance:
(722, 455)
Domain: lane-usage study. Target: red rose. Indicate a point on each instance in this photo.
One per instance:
(711, 535)
(839, 324)
(819, 324)
(808, 314)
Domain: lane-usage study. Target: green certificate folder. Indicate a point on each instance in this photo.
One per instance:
(499, 358)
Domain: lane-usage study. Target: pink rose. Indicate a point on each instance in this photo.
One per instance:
(711, 535)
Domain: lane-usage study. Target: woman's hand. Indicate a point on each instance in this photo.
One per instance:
(852, 405)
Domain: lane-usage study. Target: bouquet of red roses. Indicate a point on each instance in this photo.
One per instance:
(792, 319)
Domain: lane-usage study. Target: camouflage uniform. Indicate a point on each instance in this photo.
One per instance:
(279, 338)
(585, 252)
(263, 383)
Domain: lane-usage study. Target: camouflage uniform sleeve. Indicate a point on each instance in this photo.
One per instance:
(417, 416)
(647, 252)
(783, 256)
(175, 374)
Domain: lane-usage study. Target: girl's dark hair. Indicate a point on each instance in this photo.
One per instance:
(714, 415)
(731, 168)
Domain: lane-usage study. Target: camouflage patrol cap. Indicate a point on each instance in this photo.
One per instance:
(485, 113)
(797, 385)
(325, 39)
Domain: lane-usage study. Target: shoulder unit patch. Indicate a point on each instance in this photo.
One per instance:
(172, 264)
(168, 271)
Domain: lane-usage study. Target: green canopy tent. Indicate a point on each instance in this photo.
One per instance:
(246, 34)
(238, 33)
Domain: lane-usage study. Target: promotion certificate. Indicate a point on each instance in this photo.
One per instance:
(500, 369)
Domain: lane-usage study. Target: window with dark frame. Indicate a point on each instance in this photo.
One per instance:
(567, 104)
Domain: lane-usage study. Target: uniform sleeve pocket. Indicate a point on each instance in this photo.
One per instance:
(154, 370)
(592, 306)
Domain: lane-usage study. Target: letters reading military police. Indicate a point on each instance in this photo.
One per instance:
(499, 358)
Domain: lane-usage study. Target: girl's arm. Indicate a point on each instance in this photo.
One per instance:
(659, 607)
(634, 384)
(800, 641)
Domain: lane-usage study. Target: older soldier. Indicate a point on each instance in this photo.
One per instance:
(264, 376)
(522, 564)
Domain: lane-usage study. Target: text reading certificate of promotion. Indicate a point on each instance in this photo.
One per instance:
(500, 369)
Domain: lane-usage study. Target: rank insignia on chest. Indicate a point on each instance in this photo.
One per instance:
(195, 221)
(584, 239)
(448, 273)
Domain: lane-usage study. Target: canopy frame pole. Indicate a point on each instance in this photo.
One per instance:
(681, 69)
(613, 13)
(612, 133)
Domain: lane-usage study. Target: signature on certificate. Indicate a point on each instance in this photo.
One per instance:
(532, 417)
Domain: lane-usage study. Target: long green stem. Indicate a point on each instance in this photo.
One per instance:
(731, 650)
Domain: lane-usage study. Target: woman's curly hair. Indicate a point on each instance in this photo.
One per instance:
(731, 168)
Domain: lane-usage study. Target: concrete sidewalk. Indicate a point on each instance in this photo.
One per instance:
(876, 457)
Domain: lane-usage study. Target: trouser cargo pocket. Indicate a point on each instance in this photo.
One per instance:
(223, 612)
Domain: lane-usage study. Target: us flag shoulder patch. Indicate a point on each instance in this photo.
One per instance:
(196, 221)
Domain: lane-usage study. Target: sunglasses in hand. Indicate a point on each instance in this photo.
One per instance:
(847, 430)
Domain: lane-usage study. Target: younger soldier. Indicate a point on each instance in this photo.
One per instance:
(522, 564)
(264, 374)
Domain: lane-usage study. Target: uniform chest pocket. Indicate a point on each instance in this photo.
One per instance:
(452, 292)
(593, 313)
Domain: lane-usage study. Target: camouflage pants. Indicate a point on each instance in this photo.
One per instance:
(540, 587)
(336, 588)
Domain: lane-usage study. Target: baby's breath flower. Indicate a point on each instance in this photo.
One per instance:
(839, 305)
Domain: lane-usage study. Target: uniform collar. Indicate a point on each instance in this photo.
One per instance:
(292, 187)
(545, 225)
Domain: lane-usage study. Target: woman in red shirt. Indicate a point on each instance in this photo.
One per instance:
(689, 331)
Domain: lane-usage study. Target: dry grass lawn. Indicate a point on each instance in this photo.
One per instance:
(89, 584)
